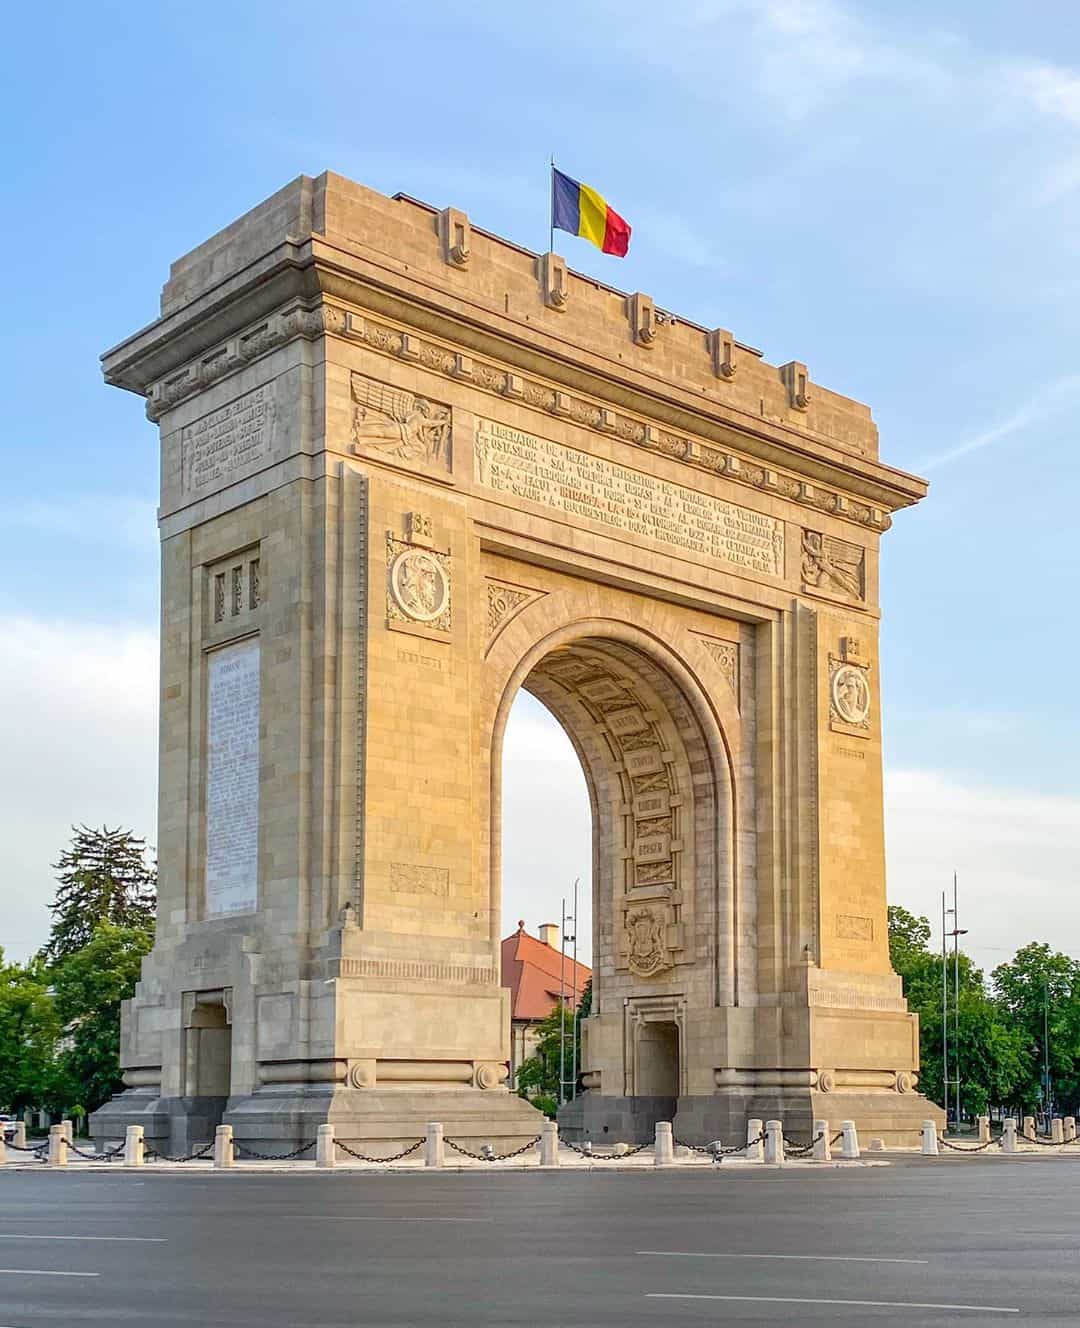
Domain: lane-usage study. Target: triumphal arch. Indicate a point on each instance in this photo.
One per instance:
(408, 468)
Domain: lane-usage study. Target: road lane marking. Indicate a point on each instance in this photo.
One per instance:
(824, 1258)
(331, 1217)
(29, 1235)
(42, 1272)
(814, 1300)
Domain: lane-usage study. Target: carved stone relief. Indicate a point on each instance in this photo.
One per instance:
(418, 585)
(504, 602)
(833, 566)
(645, 941)
(401, 424)
(726, 655)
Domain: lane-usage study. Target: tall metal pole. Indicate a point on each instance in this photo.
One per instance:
(956, 1009)
(944, 1013)
(562, 1006)
(551, 233)
(573, 1002)
(1046, 1055)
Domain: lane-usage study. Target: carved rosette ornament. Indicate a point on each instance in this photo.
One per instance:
(647, 952)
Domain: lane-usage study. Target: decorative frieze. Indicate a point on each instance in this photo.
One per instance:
(387, 340)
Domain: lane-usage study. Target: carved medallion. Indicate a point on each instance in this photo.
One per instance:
(647, 953)
(400, 424)
(419, 585)
(850, 695)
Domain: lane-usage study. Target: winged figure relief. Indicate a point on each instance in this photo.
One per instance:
(832, 564)
(400, 423)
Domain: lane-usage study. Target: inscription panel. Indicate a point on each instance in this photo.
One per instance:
(583, 485)
(232, 780)
(229, 439)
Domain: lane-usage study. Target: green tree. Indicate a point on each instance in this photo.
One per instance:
(89, 986)
(989, 1048)
(29, 1029)
(104, 876)
(538, 1074)
(1039, 990)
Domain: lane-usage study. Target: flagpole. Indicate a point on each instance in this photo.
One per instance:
(551, 213)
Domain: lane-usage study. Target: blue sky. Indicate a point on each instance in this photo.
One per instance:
(888, 193)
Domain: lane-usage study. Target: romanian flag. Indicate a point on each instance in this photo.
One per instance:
(581, 211)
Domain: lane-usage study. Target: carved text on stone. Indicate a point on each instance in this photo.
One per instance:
(632, 501)
(229, 439)
(232, 779)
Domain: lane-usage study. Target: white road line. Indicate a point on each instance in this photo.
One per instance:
(331, 1217)
(29, 1235)
(813, 1300)
(42, 1272)
(821, 1258)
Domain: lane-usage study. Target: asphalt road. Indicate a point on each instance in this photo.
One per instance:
(880, 1245)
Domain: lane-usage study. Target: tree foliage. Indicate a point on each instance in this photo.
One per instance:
(29, 1031)
(538, 1074)
(1039, 990)
(89, 986)
(104, 876)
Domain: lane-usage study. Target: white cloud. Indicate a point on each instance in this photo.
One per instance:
(80, 745)
(1015, 850)
(1050, 399)
(100, 519)
(1050, 89)
(547, 825)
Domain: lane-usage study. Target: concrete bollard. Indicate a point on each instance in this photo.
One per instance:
(65, 1125)
(325, 1147)
(549, 1144)
(1070, 1129)
(984, 1129)
(58, 1146)
(3, 1147)
(822, 1142)
(1008, 1135)
(134, 1146)
(434, 1145)
(774, 1143)
(1029, 1127)
(1057, 1130)
(664, 1149)
(755, 1145)
(929, 1139)
(223, 1146)
(849, 1144)
(19, 1137)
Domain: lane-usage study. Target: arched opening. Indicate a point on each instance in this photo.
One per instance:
(662, 855)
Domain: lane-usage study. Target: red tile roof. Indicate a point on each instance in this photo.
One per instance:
(530, 968)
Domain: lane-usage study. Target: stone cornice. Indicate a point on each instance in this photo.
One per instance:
(381, 336)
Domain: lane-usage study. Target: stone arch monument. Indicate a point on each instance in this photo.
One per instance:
(409, 468)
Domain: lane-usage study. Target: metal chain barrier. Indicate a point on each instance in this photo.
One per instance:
(961, 1148)
(712, 1151)
(586, 1151)
(1045, 1143)
(491, 1155)
(247, 1151)
(799, 1150)
(151, 1152)
(39, 1150)
(394, 1157)
(836, 1138)
(106, 1156)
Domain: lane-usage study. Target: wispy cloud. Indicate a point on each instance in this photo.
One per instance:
(1044, 405)
(1015, 851)
(101, 519)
